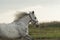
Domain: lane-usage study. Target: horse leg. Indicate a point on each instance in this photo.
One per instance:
(28, 37)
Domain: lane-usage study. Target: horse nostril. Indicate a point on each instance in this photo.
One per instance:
(36, 24)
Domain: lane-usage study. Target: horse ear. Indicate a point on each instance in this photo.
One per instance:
(33, 12)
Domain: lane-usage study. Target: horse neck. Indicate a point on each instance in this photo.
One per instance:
(25, 20)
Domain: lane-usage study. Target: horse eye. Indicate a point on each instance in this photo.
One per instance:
(35, 17)
(32, 13)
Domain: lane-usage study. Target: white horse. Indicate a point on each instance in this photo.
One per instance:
(19, 27)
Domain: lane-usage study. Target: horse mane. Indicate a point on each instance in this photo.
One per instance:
(19, 15)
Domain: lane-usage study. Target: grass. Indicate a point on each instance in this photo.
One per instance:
(49, 32)
(35, 32)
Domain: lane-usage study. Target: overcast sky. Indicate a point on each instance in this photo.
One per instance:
(45, 10)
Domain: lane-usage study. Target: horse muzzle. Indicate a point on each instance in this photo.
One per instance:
(37, 24)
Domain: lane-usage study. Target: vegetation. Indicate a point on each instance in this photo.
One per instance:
(45, 30)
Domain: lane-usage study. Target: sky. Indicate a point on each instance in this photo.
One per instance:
(45, 10)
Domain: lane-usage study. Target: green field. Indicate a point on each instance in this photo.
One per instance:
(45, 32)
(39, 33)
(35, 32)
